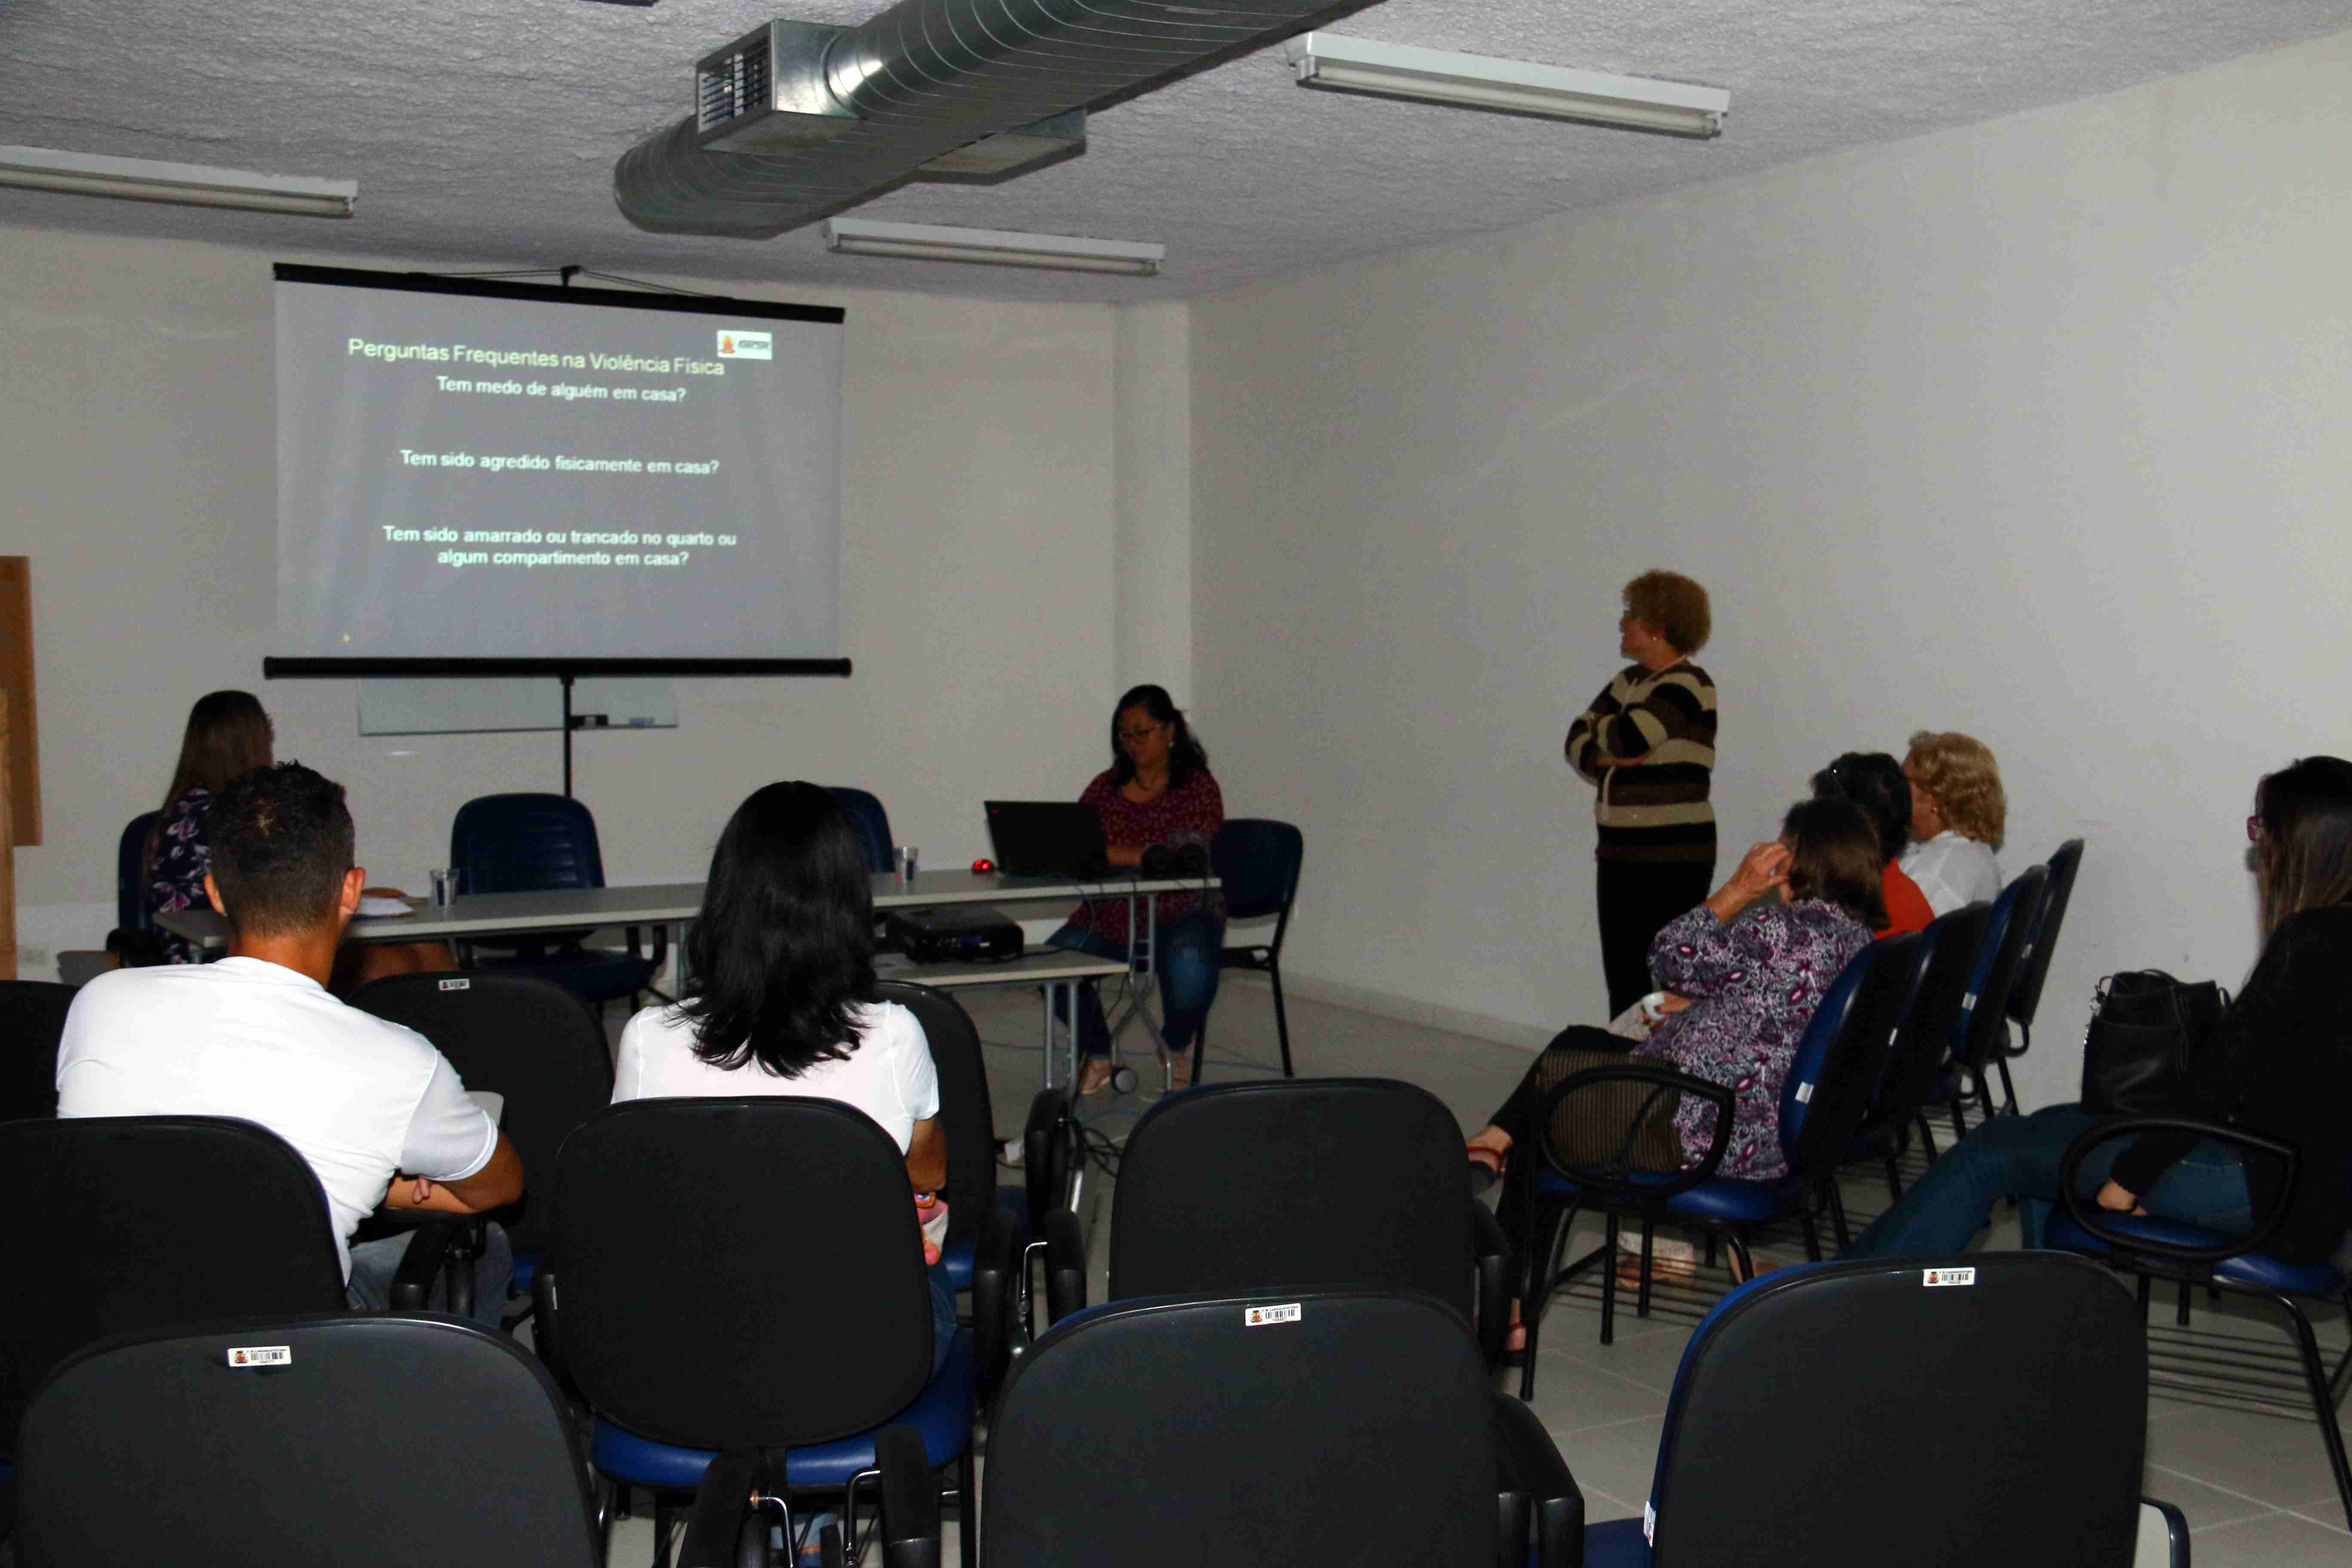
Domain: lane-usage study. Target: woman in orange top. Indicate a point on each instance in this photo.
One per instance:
(1874, 781)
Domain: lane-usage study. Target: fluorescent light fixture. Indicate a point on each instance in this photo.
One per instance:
(991, 247)
(1479, 81)
(190, 185)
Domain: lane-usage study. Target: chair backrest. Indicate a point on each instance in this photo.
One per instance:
(1256, 861)
(129, 1222)
(376, 1441)
(32, 1023)
(528, 1039)
(131, 873)
(869, 821)
(965, 1114)
(739, 1273)
(1923, 1038)
(1842, 1053)
(1248, 1186)
(525, 844)
(1982, 1032)
(2025, 996)
(2025, 1372)
(1347, 1426)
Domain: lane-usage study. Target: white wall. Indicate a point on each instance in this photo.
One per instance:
(2033, 429)
(137, 442)
(1153, 447)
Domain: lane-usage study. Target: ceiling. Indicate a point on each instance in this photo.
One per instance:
(483, 132)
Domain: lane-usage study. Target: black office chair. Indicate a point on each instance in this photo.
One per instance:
(143, 1222)
(869, 822)
(1923, 1040)
(2192, 1255)
(1836, 1070)
(354, 1440)
(32, 1024)
(1253, 1186)
(2025, 996)
(1328, 1425)
(1256, 862)
(738, 1287)
(523, 1037)
(1049, 1142)
(1981, 1038)
(544, 843)
(1936, 1413)
(134, 938)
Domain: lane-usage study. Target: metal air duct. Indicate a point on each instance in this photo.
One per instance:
(797, 120)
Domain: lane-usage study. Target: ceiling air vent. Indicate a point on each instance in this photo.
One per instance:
(765, 93)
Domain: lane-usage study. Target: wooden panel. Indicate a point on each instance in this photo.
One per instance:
(16, 680)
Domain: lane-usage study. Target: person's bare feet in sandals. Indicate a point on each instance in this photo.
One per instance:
(1095, 1076)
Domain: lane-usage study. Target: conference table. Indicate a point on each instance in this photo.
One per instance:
(670, 907)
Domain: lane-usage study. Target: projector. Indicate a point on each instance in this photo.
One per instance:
(955, 933)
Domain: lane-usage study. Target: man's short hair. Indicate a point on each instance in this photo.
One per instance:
(280, 839)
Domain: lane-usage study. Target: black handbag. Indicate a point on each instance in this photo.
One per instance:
(2146, 1028)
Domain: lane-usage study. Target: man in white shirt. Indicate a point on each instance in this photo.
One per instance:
(378, 1113)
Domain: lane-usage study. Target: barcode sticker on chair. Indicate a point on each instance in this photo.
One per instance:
(1948, 1276)
(1259, 1317)
(1804, 1094)
(260, 1355)
(458, 985)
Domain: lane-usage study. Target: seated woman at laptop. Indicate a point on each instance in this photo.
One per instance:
(1158, 791)
(783, 958)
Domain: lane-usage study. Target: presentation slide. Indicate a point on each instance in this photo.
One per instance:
(493, 471)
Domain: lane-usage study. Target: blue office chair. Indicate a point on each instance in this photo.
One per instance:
(1831, 1077)
(544, 843)
(869, 822)
(1980, 1036)
(2191, 1255)
(738, 1288)
(1048, 1143)
(130, 873)
(1822, 1414)
(1923, 1040)
(1257, 862)
(377, 1441)
(2025, 996)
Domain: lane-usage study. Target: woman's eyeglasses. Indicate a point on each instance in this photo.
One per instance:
(1137, 737)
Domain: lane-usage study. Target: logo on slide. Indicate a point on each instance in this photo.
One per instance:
(746, 345)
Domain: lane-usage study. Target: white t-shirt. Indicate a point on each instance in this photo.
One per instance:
(1952, 871)
(358, 1098)
(888, 1073)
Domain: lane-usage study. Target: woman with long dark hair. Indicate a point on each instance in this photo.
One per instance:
(2278, 1063)
(1874, 781)
(228, 734)
(783, 960)
(1156, 793)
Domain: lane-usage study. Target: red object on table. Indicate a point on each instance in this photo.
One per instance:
(984, 865)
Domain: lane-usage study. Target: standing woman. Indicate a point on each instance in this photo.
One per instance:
(1158, 791)
(1648, 741)
(228, 734)
(1959, 811)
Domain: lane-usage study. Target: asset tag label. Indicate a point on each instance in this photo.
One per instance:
(260, 1355)
(458, 985)
(1948, 1276)
(1259, 1317)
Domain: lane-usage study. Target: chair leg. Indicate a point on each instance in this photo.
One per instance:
(2147, 1295)
(1837, 1215)
(1927, 1139)
(1740, 1255)
(1960, 1098)
(1608, 1292)
(1281, 1018)
(2323, 1403)
(2008, 1086)
(662, 1521)
(1812, 1235)
(1893, 1181)
(2181, 1305)
(967, 1506)
(1642, 1295)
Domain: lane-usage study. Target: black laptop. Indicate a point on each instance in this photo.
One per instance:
(1046, 838)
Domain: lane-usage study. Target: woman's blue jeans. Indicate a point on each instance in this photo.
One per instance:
(1186, 964)
(2017, 1157)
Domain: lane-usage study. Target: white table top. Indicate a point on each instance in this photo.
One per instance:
(1033, 968)
(674, 903)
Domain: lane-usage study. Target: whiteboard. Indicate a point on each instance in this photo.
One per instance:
(435, 707)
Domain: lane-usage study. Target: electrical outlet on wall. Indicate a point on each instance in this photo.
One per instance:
(31, 960)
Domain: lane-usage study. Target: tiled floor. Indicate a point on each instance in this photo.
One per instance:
(2247, 1468)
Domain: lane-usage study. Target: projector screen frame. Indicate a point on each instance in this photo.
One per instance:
(299, 667)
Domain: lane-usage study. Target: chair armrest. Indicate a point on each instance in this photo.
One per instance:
(1532, 1465)
(720, 1505)
(1046, 1151)
(1000, 1298)
(911, 1500)
(1492, 1255)
(2113, 1228)
(421, 1265)
(1066, 1264)
(1612, 1177)
(2161, 1522)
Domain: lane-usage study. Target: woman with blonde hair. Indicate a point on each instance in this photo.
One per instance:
(1958, 816)
(1648, 742)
